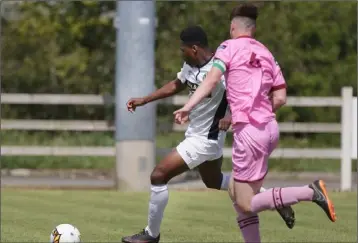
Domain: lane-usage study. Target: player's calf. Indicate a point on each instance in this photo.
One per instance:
(171, 166)
(218, 182)
(213, 178)
(212, 184)
(247, 222)
(286, 213)
(244, 204)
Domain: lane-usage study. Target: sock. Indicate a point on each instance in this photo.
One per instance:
(249, 226)
(277, 198)
(262, 189)
(225, 182)
(158, 201)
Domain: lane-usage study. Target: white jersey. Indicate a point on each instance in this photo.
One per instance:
(204, 118)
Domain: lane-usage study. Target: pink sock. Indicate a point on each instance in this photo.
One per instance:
(249, 226)
(277, 198)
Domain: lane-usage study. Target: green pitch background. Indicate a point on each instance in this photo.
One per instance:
(205, 216)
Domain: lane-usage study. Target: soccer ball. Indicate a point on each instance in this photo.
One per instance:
(65, 233)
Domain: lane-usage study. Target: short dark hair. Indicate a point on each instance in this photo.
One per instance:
(194, 35)
(247, 10)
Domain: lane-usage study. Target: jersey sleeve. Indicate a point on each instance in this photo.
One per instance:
(278, 79)
(222, 56)
(183, 73)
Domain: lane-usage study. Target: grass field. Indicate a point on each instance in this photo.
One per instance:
(105, 216)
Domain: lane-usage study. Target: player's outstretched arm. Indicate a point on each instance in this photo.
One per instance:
(169, 89)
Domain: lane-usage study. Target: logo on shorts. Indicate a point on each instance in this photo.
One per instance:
(188, 154)
(222, 47)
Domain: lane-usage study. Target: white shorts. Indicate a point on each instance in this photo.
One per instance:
(197, 150)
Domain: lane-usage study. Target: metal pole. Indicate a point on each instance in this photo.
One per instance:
(135, 133)
(1, 8)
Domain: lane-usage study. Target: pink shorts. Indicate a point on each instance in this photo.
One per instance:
(252, 147)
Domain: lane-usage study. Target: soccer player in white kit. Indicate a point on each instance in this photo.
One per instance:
(204, 138)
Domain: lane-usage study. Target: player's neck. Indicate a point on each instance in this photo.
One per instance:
(244, 35)
(205, 58)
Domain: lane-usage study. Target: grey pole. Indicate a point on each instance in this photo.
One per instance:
(135, 132)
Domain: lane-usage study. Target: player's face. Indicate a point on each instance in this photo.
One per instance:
(189, 54)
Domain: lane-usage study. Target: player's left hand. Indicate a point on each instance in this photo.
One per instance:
(181, 116)
(225, 123)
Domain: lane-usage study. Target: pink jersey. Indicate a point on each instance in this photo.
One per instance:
(251, 73)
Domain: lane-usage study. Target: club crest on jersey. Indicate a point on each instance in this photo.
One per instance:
(192, 87)
(222, 47)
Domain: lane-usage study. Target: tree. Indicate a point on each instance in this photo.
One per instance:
(69, 47)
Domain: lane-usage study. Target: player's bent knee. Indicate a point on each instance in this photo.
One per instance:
(244, 207)
(158, 177)
(231, 193)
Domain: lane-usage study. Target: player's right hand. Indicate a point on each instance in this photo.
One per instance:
(133, 103)
(181, 116)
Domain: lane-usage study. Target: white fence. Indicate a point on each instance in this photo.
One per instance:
(347, 128)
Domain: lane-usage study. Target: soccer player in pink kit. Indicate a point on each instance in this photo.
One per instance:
(256, 88)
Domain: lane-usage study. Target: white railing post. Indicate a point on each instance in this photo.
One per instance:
(346, 138)
(354, 128)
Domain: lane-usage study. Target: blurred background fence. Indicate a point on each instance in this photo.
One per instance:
(57, 75)
(345, 153)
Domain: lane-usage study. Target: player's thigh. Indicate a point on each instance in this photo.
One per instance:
(170, 166)
(273, 128)
(210, 171)
(250, 153)
(244, 192)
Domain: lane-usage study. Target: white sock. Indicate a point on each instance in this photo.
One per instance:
(158, 201)
(225, 182)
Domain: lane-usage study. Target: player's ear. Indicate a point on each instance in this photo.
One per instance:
(195, 49)
(232, 28)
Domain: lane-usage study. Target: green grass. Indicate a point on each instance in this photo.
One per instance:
(105, 216)
(167, 140)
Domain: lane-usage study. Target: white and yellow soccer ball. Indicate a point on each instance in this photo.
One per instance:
(65, 233)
